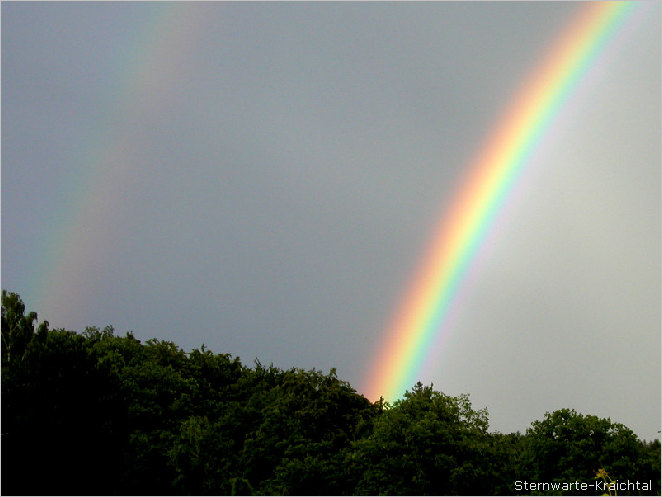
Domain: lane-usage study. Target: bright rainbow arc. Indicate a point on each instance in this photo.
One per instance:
(499, 164)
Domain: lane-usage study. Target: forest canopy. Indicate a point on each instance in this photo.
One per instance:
(97, 413)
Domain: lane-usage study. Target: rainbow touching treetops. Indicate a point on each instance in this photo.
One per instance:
(424, 311)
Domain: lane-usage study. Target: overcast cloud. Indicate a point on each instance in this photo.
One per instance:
(263, 177)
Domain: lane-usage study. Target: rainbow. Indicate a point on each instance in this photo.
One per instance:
(147, 67)
(429, 301)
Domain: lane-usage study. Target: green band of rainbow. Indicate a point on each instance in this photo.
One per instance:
(498, 166)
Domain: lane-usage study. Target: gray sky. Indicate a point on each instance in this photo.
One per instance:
(263, 179)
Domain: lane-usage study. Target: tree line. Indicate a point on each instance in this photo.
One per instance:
(96, 413)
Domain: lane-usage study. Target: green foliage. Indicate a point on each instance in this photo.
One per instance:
(17, 328)
(601, 474)
(568, 446)
(97, 413)
(59, 408)
(427, 443)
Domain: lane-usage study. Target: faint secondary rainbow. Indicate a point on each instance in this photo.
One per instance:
(146, 70)
(428, 302)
